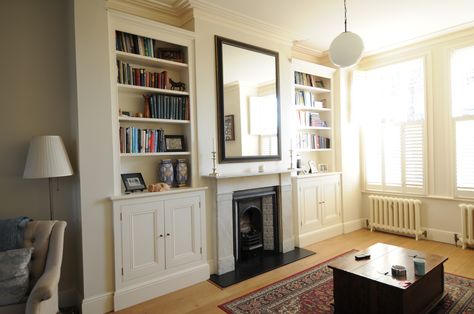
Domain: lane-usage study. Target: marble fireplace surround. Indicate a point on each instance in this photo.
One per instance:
(225, 186)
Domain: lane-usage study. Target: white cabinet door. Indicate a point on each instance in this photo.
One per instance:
(310, 212)
(330, 204)
(183, 231)
(142, 239)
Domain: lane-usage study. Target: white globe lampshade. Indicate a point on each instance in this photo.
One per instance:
(346, 49)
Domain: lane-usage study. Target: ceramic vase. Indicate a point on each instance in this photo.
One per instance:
(181, 172)
(166, 173)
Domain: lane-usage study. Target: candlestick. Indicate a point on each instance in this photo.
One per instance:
(214, 166)
(291, 158)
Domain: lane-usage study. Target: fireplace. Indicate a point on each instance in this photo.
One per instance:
(255, 222)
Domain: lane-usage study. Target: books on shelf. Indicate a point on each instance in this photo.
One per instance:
(310, 119)
(312, 141)
(309, 80)
(126, 74)
(167, 106)
(136, 140)
(148, 47)
(308, 99)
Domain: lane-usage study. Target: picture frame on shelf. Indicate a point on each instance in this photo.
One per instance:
(133, 182)
(312, 166)
(174, 143)
(319, 83)
(323, 167)
(229, 133)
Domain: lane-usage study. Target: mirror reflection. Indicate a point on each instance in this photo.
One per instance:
(248, 102)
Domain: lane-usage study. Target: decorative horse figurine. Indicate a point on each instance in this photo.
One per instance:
(180, 86)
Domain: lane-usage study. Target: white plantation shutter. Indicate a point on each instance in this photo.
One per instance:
(465, 155)
(462, 84)
(392, 155)
(373, 156)
(414, 166)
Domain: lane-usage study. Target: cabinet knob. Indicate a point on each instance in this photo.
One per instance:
(161, 236)
(168, 234)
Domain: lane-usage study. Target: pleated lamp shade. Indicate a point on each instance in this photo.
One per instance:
(47, 158)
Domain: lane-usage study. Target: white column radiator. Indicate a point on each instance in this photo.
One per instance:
(398, 215)
(467, 216)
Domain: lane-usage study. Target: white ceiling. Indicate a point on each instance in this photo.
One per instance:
(381, 23)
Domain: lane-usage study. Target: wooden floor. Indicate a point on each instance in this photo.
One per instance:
(204, 297)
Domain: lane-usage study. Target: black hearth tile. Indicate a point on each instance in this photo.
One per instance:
(258, 265)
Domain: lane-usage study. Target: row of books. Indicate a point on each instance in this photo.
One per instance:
(306, 118)
(145, 46)
(127, 74)
(135, 140)
(308, 99)
(134, 44)
(308, 80)
(167, 106)
(312, 141)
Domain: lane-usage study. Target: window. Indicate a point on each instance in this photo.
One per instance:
(462, 93)
(391, 105)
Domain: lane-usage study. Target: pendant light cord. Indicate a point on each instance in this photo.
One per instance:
(345, 17)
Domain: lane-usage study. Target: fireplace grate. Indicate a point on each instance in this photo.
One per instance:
(252, 240)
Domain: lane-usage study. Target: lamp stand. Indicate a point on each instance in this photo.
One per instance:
(51, 210)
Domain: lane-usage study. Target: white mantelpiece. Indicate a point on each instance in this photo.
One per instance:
(225, 186)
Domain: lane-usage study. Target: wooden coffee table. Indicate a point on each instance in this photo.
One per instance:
(367, 286)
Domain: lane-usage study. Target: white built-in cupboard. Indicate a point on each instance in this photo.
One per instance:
(317, 207)
(159, 237)
(317, 199)
(159, 244)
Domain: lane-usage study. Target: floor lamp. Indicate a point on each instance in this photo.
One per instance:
(47, 158)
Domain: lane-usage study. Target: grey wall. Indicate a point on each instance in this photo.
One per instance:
(37, 98)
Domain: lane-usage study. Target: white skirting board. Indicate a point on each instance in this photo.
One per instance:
(148, 290)
(354, 225)
(103, 303)
(330, 231)
(441, 235)
(319, 235)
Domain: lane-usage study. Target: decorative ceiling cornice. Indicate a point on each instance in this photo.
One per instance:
(308, 49)
(180, 12)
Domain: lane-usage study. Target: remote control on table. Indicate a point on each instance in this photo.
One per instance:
(362, 256)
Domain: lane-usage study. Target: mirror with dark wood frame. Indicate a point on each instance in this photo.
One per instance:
(248, 102)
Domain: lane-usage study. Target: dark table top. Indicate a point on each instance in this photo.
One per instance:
(382, 258)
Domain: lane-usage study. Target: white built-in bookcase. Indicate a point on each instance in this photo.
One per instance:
(129, 98)
(316, 100)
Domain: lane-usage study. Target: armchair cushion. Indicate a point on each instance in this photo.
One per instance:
(14, 281)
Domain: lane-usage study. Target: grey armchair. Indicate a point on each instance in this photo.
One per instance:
(47, 238)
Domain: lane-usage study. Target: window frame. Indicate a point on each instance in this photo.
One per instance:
(423, 191)
(457, 192)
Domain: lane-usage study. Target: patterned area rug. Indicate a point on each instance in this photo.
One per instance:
(311, 291)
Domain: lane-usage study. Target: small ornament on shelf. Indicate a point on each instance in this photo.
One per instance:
(158, 187)
(181, 172)
(179, 86)
(166, 173)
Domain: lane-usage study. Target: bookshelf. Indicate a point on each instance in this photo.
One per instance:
(146, 106)
(314, 113)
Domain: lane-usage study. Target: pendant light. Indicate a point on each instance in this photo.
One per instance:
(347, 48)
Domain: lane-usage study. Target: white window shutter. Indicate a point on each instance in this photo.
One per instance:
(392, 155)
(465, 155)
(373, 156)
(414, 151)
